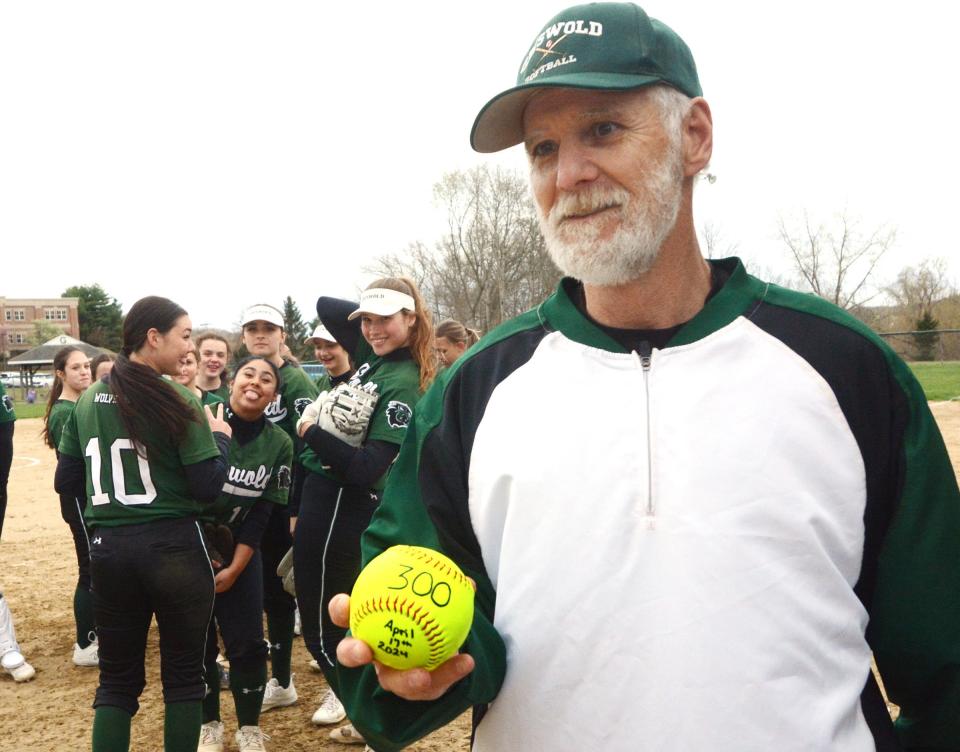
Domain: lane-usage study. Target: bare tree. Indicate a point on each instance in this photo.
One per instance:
(716, 245)
(491, 262)
(918, 289)
(836, 261)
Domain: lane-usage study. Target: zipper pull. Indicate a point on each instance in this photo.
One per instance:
(645, 351)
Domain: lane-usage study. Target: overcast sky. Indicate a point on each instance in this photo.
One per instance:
(225, 153)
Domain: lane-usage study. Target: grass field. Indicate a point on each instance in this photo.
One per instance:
(25, 410)
(940, 381)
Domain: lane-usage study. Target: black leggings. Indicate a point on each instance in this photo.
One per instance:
(160, 568)
(6, 458)
(326, 556)
(71, 510)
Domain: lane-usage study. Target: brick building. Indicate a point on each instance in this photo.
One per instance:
(18, 314)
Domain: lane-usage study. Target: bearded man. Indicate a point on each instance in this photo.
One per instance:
(694, 504)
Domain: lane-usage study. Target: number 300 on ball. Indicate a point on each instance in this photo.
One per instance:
(412, 606)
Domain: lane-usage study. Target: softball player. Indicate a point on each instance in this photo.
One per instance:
(347, 464)
(214, 355)
(259, 479)
(263, 335)
(71, 367)
(100, 367)
(7, 418)
(11, 658)
(141, 451)
(452, 340)
(187, 377)
(331, 355)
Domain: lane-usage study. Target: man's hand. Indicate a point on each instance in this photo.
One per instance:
(412, 684)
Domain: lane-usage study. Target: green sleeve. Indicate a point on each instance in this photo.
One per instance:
(70, 438)
(278, 489)
(393, 414)
(7, 413)
(914, 627)
(298, 392)
(212, 398)
(387, 721)
(59, 415)
(197, 443)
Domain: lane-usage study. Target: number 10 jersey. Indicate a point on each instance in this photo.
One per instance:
(125, 487)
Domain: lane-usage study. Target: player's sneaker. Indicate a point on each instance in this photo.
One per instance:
(16, 665)
(211, 737)
(347, 735)
(330, 710)
(275, 696)
(88, 657)
(250, 739)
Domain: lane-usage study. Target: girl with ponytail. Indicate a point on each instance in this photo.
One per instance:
(141, 451)
(452, 340)
(71, 368)
(391, 335)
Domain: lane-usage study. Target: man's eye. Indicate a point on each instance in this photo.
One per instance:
(604, 129)
(543, 149)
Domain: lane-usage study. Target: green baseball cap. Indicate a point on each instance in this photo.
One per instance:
(595, 46)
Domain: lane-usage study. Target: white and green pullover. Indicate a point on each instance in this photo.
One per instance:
(695, 549)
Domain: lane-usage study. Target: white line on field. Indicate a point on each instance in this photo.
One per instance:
(31, 461)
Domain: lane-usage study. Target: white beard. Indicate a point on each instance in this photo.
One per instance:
(646, 217)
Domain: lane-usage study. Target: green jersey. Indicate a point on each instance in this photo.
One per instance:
(398, 383)
(298, 391)
(7, 415)
(259, 470)
(124, 488)
(222, 391)
(59, 415)
(212, 398)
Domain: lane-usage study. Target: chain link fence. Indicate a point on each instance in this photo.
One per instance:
(934, 345)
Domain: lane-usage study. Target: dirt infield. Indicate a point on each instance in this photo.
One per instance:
(52, 712)
(37, 572)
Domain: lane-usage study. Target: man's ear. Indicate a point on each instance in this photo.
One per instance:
(697, 137)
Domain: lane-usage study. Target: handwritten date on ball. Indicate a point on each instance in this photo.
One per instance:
(412, 606)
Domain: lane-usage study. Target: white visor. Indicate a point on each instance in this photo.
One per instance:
(321, 332)
(383, 302)
(262, 312)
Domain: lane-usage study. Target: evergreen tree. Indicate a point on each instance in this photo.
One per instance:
(295, 328)
(101, 317)
(926, 338)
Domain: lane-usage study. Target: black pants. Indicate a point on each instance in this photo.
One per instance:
(326, 556)
(274, 545)
(6, 458)
(239, 618)
(158, 568)
(71, 510)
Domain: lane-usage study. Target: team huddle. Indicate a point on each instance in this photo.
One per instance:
(187, 481)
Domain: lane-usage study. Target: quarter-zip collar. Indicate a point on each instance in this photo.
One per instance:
(739, 294)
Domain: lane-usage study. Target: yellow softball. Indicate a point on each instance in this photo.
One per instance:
(412, 606)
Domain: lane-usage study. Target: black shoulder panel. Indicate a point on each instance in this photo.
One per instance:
(877, 412)
(445, 453)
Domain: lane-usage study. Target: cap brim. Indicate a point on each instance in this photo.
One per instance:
(500, 123)
(384, 311)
